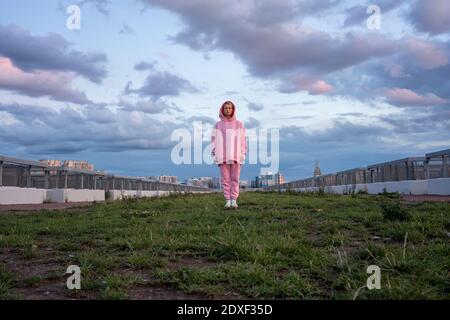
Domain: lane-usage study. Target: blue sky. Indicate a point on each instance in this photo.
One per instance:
(113, 91)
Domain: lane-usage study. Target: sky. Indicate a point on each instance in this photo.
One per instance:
(341, 84)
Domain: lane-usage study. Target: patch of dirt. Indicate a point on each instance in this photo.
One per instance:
(26, 208)
(43, 266)
(160, 293)
(49, 279)
(46, 272)
(416, 198)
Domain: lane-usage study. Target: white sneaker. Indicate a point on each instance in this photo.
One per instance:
(228, 203)
(234, 203)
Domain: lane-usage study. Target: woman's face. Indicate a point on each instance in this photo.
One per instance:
(228, 110)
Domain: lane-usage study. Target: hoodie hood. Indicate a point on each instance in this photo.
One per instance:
(224, 118)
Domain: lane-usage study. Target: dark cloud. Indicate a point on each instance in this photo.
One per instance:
(283, 50)
(255, 106)
(415, 122)
(273, 45)
(47, 130)
(126, 29)
(431, 16)
(140, 66)
(150, 106)
(160, 84)
(270, 12)
(416, 75)
(251, 123)
(55, 85)
(51, 53)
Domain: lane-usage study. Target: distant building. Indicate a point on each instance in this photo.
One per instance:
(216, 183)
(194, 182)
(267, 180)
(52, 163)
(244, 183)
(317, 171)
(69, 164)
(204, 182)
(168, 179)
(207, 181)
(78, 165)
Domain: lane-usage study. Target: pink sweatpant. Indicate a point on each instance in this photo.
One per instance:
(230, 179)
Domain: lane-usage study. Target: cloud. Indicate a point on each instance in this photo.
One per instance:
(431, 16)
(140, 66)
(90, 128)
(312, 85)
(426, 54)
(56, 85)
(204, 119)
(406, 97)
(419, 65)
(357, 15)
(412, 123)
(269, 12)
(126, 29)
(160, 84)
(100, 5)
(255, 106)
(51, 53)
(150, 106)
(277, 50)
(251, 123)
(267, 37)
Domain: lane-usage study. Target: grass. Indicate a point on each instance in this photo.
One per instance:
(275, 246)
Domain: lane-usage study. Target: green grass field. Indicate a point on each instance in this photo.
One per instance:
(275, 246)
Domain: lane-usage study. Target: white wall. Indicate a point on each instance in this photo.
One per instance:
(16, 195)
(120, 194)
(415, 187)
(439, 186)
(75, 195)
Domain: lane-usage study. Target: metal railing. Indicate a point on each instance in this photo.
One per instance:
(434, 165)
(34, 174)
(437, 164)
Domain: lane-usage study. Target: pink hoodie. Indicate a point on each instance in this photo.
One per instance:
(225, 149)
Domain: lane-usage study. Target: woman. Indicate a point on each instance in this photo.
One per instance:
(229, 147)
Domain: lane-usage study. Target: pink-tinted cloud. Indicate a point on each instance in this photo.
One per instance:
(428, 55)
(432, 16)
(406, 97)
(56, 85)
(310, 84)
(51, 52)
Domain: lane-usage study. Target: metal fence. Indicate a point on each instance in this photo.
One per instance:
(33, 174)
(433, 166)
(437, 164)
